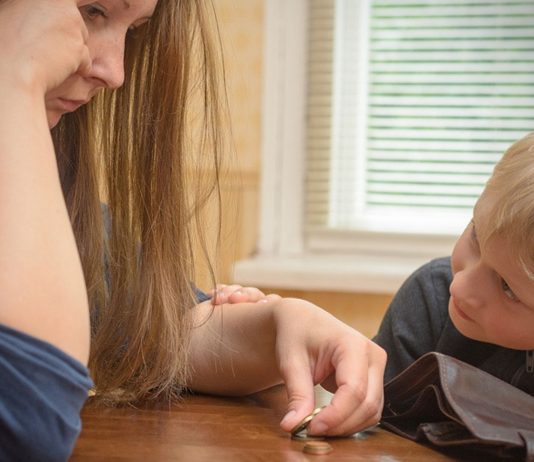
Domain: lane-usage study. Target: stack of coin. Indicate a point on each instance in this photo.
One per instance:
(317, 448)
(299, 431)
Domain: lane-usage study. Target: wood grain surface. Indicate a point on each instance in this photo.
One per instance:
(203, 428)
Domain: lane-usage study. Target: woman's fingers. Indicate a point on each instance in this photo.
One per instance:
(43, 43)
(358, 400)
(85, 63)
(314, 347)
(236, 293)
(299, 386)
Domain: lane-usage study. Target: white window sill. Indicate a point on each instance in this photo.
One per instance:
(354, 273)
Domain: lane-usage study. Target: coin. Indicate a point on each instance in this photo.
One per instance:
(317, 448)
(302, 425)
(306, 421)
(303, 436)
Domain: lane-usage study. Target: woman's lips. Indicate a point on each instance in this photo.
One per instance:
(69, 105)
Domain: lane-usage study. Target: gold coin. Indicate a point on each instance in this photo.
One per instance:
(306, 421)
(302, 425)
(317, 448)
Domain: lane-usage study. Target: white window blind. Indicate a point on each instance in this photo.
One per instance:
(410, 104)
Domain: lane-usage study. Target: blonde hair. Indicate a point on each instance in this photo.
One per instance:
(146, 149)
(511, 189)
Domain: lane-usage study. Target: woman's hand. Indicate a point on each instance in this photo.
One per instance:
(313, 347)
(235, 293)
(43, 43)
(243, 348)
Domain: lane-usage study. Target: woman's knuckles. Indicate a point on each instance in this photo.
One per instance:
(51, 41)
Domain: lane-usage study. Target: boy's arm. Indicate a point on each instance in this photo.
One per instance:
(246, 347)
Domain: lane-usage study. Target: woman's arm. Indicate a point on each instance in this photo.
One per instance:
(247, 347)
(42, 287)
(41, 281)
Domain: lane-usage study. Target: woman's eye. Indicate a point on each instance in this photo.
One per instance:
(508, 292)
(92, 12)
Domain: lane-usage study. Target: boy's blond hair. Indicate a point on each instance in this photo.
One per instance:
(511, 188)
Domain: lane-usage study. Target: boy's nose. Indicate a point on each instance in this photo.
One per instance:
(467, 289)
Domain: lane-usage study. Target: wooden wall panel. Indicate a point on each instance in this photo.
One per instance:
(241, 23)
(360, 310)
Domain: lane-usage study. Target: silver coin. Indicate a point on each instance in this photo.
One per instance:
(303, 436)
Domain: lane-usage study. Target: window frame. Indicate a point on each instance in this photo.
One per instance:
(355, 261)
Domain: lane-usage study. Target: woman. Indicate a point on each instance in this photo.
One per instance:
(120, 83)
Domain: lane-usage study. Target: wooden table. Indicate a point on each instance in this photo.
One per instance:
(203, 428)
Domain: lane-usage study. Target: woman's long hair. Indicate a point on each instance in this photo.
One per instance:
(150, 152)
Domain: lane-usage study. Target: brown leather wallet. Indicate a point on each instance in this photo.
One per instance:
(445, 402)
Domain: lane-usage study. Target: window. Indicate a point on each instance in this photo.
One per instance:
(383, 119)
(411, 103)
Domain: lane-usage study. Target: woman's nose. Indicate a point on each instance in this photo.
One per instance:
(108, 63)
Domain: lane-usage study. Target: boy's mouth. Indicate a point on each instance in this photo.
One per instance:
(459, 310)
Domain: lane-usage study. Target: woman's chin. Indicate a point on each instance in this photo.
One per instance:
(52, 118)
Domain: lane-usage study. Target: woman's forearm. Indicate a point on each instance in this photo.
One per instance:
(233, 349)
(41, 280)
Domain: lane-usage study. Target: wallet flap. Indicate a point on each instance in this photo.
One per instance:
(493, 410)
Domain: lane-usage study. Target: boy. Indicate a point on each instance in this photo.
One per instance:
(477, 305)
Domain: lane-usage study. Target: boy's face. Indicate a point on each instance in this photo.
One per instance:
(492, 298)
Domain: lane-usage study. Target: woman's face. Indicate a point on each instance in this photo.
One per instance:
(108, 22)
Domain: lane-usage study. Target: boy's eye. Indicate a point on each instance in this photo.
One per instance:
(508, 292)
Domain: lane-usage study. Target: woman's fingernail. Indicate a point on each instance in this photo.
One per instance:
(288, 417)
